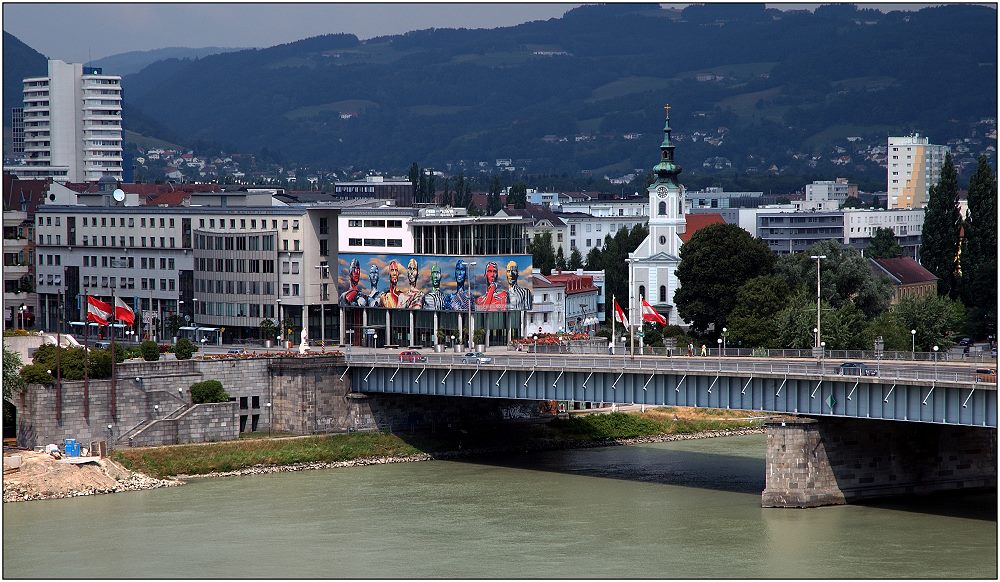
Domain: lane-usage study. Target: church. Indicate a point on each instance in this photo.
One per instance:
(653, 265)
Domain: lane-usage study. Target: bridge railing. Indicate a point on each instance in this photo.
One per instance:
(816, 369)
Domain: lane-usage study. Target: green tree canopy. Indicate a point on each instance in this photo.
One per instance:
(12, 381)
(979, 251)
(936, 319)
(560, 259)
(884, 245)
(542, 256)
(575, 260)
(758, 301)
(518, 197)
(942, 222)
(716, 260)
(845, 276)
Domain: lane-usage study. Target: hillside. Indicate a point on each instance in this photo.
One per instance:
(753, 91)
(135, 61)
(19, 61)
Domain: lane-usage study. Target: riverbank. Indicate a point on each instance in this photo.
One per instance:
(154, 467)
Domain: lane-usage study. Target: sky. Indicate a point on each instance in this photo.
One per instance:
(80, 32)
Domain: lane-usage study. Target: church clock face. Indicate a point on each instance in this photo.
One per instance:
(661, 192)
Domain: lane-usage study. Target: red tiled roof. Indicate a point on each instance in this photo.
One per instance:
(905, 270)
(696, 222)
(26, 194)
(575, 283)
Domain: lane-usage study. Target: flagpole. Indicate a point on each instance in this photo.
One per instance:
(631, 301)
(86, 358)
(114, 317)
(614, 316)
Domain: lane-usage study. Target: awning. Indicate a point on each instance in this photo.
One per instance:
(187, 328)
(207, 329)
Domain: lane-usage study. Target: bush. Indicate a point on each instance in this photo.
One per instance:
(100, 364)
(479, 336)
(45, 355)
(150, 351)
(208, 391)
(166, 348)
(184, 349)
(36, 374)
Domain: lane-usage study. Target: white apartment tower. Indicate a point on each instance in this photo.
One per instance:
(72, 124)
(914, 165)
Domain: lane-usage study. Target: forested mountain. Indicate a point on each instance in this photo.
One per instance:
(135, 61)
(750, 88)
(19, 61)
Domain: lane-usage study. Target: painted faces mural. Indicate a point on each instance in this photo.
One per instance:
(494, 283)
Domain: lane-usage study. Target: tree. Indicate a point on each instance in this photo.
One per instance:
(942, 222)
(518, 197)
(267, 329)
(979, 257)
(184, 349)
(150, 351)
(560, 259)
(207, 392)
(415, 179)
(753, 319)
(575, 261)
(936, 319)
(493, 199)
(12, 381)
(542, 256)
(884, 245)
(716, 260)
(844, 274)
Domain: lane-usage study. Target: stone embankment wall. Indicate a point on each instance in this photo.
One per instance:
(201, 423)
(813, 462)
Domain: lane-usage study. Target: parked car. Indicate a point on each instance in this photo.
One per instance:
(237, 351)
(987, 375)
(965, 342)
(856, 369)
(476, 358)
(102, 345)
(412, 356)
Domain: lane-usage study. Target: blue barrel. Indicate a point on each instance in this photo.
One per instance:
(72, 448)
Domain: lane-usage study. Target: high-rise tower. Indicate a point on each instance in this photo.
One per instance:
(914, 165)
(72, 124)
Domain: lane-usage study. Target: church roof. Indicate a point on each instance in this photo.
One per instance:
(696, 222)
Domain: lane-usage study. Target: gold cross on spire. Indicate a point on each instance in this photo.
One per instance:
(666, 111)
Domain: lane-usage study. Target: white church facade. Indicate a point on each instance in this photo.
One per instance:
(653, 265)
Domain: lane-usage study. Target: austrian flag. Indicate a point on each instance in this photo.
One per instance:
(619, 314)
(123, 312)
(98, 311)
(650, 314)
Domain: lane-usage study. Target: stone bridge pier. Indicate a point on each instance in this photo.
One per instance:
(832, 461)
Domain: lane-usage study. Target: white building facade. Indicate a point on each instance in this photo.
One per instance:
(914, 165)
(72, 124)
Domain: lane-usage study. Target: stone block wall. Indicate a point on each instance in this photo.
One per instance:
(831, 461)
(201, 423)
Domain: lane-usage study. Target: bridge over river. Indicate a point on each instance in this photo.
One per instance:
(946, 393)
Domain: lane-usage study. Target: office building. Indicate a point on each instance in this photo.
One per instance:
(72, 124)
(914, 165)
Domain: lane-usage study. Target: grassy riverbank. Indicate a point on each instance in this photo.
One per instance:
(201, 459)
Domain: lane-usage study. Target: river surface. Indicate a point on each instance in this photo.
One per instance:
(688, 509)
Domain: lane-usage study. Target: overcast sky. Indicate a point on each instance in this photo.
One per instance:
(82, 32)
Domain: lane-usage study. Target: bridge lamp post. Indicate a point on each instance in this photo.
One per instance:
(268, 405)
(935, 361)
(468, 281)
(624, 339)
(818, 258)
(719, 341)
(536, 348)
(913, 344)
(724, 331)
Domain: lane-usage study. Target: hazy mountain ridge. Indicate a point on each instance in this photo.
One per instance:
(134, 61)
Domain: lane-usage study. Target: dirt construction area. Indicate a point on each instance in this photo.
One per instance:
(40, 476)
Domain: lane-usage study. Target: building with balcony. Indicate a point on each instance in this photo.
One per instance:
(914, 165)
(72, 124)
(20, 199)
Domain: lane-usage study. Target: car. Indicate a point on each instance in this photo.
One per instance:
(237, 351)
(102, 345)
(987, 375)
(412, 356)
(856, 369)
(476, 358)
(965, 342)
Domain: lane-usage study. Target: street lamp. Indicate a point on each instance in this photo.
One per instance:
(935, 361)
(818, 258)
(468, 280)
(624, 339)
(913, 344)
(20, 315)
(719, 341)
(268, 405)
(375, 340)
(536, 348)
(323, 271)
(277, 316)
(724, 330)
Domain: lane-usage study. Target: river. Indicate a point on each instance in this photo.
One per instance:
(684, 509)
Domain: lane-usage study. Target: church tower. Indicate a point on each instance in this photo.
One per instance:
(666, 198)
(653, 265)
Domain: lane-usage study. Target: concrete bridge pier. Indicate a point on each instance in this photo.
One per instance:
(813, 462)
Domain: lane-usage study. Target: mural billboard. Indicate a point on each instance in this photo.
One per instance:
(435, 283)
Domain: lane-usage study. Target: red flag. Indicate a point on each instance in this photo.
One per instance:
(650, 314)
(98, 311)
(123, 312)
(619, 314)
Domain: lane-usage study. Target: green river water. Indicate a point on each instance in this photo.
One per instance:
(688, 509)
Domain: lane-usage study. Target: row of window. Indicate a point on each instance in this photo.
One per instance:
(237, 243)
(357, 223)
(374, 242)
(220, 309)
(263, 224)
(207, 265)
(91, 241)
(234, 287)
